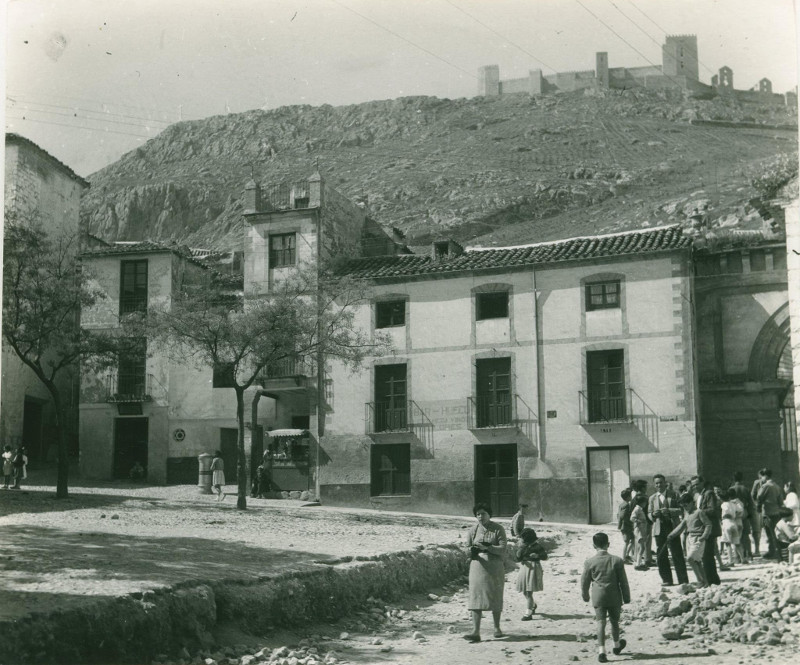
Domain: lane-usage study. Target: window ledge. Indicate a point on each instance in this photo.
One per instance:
(390, 496)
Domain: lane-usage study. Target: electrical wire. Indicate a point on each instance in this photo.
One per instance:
(492, 30)
(85, 117)
(405, 39)
(89, 129)
(15, 101)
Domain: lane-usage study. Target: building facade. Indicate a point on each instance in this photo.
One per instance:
(744, 358)
(551, 374)
(38, 188)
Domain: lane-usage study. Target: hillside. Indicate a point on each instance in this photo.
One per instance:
(482, 170)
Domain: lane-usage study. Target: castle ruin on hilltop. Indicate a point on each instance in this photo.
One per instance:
(678, 69)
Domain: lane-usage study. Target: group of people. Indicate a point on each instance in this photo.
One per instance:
(702, 522)
(603, 575)
(15, 467)
(685, 525)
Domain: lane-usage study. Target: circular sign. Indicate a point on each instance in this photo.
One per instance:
(179, 434)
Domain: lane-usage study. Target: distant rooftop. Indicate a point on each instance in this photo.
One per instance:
(643, 241)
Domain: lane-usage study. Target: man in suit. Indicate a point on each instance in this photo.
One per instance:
(707, 501)
(664, 511)
(605, 574)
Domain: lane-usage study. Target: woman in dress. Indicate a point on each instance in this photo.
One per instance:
(218, 474)
(792, 502)
(486, 544)
(529, 578)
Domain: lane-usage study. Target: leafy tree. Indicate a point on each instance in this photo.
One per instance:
(309, 315)
(43, 293)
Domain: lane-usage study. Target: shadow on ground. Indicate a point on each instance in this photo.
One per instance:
(92, 566)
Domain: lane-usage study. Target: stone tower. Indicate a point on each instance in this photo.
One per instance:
(601, 69)
(679, 56)
(489, 81)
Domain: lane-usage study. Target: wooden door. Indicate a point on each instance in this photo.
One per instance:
(609, 474)
(130, 446)
(496, 477)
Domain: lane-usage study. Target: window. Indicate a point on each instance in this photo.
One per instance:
(224, 375)
(493, 388)
(492, 305)
(282, 250)
(602, 295)
(131, 373)
(133, 286)
(606, 390)
(390, 469)
(390, 313)
(390, 398)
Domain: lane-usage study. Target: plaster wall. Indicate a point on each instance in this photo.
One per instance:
(793, 269)
(743, 317)
(653, 327)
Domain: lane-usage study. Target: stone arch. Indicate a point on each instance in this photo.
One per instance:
(769, 346)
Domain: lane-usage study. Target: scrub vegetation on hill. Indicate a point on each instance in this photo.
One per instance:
(482, 170)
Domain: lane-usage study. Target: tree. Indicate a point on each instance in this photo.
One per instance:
(43, 293)
(308, 315)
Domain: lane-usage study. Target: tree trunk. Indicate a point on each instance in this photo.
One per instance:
(241, 465)
(62, 482)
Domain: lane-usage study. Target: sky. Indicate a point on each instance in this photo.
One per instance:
(89, 80)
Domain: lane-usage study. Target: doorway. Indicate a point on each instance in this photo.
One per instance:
(32, 429)
(130, 446)
(496, 477)
(609, 474)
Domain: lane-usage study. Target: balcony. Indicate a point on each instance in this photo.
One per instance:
(287, 375)
(629, 409)
(500, 411)
(123, 388)
(290, 196)
(399, 417)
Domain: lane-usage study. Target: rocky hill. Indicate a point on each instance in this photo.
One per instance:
(483, 170)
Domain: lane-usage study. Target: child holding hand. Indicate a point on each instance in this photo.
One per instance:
(529, 578)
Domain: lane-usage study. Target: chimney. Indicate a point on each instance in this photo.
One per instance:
(252, 197)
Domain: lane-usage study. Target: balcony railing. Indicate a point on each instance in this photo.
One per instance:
(594, 409)
(130, 304)
(133, 387)
(399, 416)
(493, 411)
(287, 367)
(290, 196)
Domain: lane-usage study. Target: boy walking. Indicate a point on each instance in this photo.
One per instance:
(605, 574)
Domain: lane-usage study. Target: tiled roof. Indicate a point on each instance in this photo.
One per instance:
(643, 241)
(11, 137)
(142, 247)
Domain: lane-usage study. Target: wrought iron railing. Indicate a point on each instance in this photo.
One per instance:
(484, 411)
(600, 409)
(289, 196)
(130, 304)
(288, 367)
(399, 416)
(131, 387)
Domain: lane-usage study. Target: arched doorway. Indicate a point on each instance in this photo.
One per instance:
(788, 431)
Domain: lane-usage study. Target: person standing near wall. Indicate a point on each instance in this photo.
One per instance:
(665, 514)
(755, 522)
(707, 501)
(749, 514)
(770, 502)
(218, 474)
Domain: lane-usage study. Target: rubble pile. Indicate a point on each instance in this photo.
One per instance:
(763, 610)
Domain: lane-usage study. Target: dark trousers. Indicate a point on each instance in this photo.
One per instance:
(709, 563)
(664, 548)
(769, 522)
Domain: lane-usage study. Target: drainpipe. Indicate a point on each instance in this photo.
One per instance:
(540, 404)
(320, 363)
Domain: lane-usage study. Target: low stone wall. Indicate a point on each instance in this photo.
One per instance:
(133, 628)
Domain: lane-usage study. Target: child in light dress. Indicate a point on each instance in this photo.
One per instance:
(8, 468)
(218, 474)
(529, 577)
